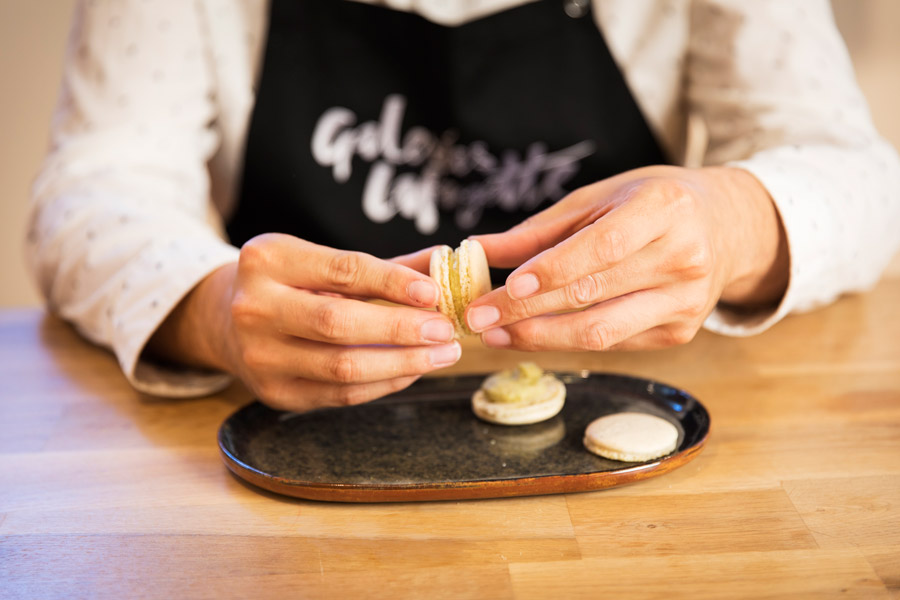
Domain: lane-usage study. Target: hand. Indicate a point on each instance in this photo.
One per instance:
(288, 320)
(646, 254)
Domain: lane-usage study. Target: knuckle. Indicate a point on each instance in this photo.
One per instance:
(525, 336)
(668, 186)
(691, 309)
(255, 254)
(684, 335)
(678, 335)
(676, 195)
(517, 310)
(611, 248)
(351, 395)
(586, 290)
(253, 359)
(598, 335)
(342, 368)
(695, 312)
(401, 383)
(244, 310)
(268, 390)
(344, 269)
(331, 322)
(697, 262)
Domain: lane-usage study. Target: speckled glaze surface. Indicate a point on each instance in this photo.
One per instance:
(424, 443)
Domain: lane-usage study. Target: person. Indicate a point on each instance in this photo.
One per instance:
(661, 166)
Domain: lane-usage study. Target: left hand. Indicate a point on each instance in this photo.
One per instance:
(646, 254)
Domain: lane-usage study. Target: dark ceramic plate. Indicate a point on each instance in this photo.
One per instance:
(424, 443)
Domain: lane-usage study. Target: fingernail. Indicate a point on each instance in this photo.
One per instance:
(423, 292)
(522, 286)
(447, 354)
(437, 330)
(496, 338)
(482, 317)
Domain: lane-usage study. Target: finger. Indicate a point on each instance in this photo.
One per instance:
(418, 261)
(351, 322)
(547, 228)
(301, 395)
(648, 269)
(302, 264)
(609, 240)
(511, 248)
(350, 364)
(597, 328)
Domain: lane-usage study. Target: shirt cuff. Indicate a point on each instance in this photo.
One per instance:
(787, 191)
(158, 280)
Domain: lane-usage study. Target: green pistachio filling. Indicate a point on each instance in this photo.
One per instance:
(459, 303)
(520, 385)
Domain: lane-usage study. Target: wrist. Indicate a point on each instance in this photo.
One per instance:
(194, 333)
(755, 238)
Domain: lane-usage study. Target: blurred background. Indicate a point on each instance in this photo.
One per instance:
(32, 42)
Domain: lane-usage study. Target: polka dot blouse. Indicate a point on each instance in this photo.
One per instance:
(156, 96)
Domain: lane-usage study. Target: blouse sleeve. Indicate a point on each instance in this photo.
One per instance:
(120, 225)
(773, 82)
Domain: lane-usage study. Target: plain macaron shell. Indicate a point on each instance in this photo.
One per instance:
(631, 437)
(474, 272)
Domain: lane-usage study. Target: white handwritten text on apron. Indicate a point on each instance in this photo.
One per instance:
(512, 181)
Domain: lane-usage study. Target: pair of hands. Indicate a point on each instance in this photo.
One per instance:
(646, 254)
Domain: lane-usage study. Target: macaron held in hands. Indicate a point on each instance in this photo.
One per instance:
(462, 276)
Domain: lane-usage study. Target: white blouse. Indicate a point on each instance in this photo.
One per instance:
(127, 210)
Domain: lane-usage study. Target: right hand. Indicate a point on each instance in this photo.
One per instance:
(289, 320)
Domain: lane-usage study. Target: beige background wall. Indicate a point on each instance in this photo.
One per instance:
(32, 42)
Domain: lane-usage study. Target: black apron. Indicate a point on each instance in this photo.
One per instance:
(378, 130)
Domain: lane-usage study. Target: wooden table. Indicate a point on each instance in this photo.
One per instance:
(105, 493)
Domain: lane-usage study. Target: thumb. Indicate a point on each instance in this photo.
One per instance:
(529, 238)
(547, 228)
(418, 260)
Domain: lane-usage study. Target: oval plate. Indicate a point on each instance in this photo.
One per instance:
(424, 443)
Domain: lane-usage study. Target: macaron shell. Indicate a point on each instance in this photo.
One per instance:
(521, 414)
(631, 437)
(475, 274)
(622, 456)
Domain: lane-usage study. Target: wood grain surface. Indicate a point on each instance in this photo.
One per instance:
(105, 493)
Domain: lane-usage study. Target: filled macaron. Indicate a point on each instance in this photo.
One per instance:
(462, 275)
(520, 396)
